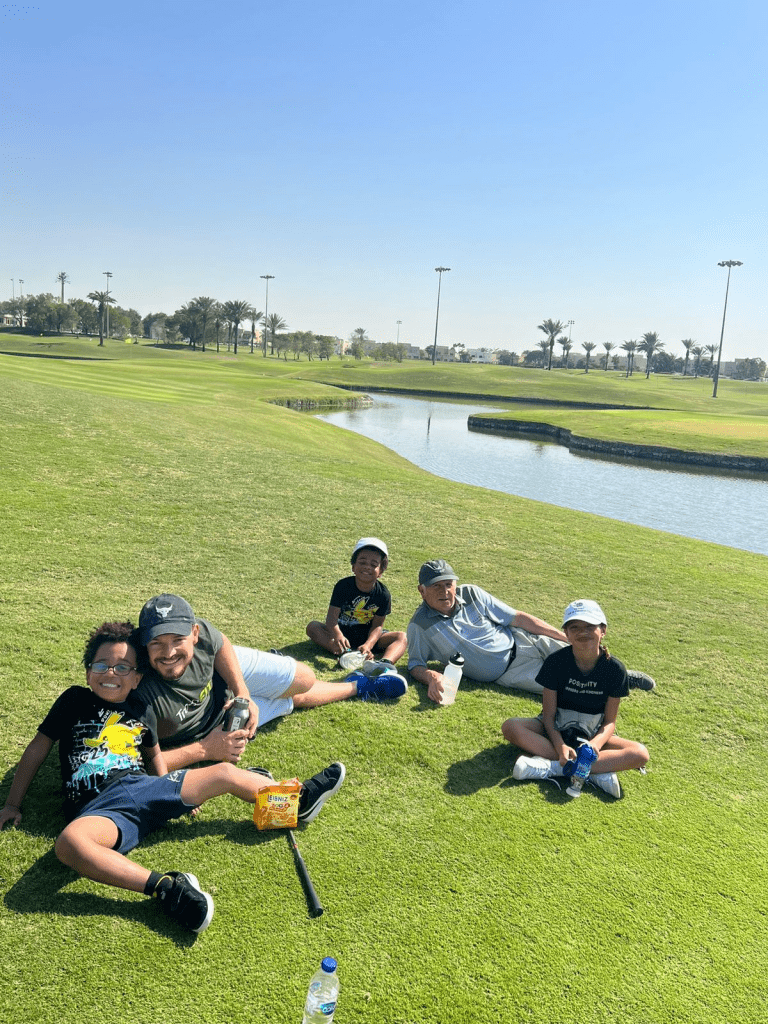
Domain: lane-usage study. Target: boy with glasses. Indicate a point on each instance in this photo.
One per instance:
(107, 738)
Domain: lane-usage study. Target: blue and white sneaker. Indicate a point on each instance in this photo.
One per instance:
(388, 686)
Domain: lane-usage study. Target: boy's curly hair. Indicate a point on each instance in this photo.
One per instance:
(115, 633)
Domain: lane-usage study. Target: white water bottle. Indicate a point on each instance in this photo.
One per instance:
(451, 679)
(323, 994)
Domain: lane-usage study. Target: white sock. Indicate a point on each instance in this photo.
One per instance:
(555, 768)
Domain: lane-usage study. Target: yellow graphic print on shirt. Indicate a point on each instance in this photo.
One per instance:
(118, 739)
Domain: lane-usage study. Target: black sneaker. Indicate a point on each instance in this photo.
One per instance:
(262, 771)
(182, 899)
(641, 681)
(316, 791)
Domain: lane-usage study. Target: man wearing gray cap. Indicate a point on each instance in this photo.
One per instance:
(499, 644)
(195, 670)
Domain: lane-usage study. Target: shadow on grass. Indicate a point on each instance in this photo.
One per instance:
(39, 890)
(493, 767)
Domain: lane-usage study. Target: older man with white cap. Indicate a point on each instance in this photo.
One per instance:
(499, 644)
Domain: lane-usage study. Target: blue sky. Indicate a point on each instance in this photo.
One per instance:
(590, 161)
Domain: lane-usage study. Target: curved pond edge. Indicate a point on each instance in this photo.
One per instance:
(473, 396)
(619, 449)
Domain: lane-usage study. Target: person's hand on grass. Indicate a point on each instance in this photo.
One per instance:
(10, 813)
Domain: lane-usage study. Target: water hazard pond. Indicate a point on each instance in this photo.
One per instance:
(722, 508)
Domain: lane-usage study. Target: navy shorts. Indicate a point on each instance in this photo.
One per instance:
(139, 804)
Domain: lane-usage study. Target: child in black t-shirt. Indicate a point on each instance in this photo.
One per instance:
(358, 608)
(583, 685)
(107, 740)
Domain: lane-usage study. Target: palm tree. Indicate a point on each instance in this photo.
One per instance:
(255, 316)
(629, 347)
(218, 322)
(203, 309)
(712, 349)
(235, 311)
(565, 345)
(607, 345)
(551, 328)
(62, 277)
(697, 351)
(687, 344)
(544, 346)
(650, 344)
(274, 324)
(588, 346)
(102, 300)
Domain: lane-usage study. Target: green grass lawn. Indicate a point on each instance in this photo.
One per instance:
(452, 893)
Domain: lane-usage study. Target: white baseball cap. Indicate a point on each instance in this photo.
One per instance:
(371, 542)
(587, 611)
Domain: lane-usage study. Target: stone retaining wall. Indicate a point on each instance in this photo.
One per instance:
(620, 449)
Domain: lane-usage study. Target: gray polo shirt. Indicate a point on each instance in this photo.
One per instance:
(478, 627)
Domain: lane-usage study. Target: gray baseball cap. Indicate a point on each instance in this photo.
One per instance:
(166, 613)
(435, 571)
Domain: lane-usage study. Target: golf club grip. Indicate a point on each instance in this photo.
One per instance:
(313, 903)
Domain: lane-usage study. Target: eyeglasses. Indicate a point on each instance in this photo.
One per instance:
(101, 668)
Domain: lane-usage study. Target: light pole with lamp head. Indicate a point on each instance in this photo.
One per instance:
(108, 275)
(440, 271)
(729, 264)
(570, 325)
(267, 278)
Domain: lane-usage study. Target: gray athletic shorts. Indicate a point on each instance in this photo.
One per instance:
(267, 677)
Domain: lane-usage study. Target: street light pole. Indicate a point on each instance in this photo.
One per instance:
(570, 325)
(108, 275)
(440, 271)
(398, 332)
(267, 278)
(729, 264)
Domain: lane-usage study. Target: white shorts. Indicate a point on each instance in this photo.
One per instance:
(267, 677)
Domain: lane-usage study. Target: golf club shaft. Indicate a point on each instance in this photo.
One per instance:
(313, 903)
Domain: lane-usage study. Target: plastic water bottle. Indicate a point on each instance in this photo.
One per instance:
(585, 758)
(451, 679)
(322, 994)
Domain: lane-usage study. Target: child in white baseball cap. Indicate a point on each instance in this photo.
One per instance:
(583, 686)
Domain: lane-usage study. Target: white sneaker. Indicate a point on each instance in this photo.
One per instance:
(608, 782)
(351, 660)
(532, 768)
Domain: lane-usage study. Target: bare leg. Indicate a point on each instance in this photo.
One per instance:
(325, 693)
(304, 679)
(86, 845)
(319, 633)
(200, 784)
(392, 645)
(620, 755)
(529, 735)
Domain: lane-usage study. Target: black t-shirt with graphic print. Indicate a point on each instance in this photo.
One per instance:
(99, 742)
(359, 609)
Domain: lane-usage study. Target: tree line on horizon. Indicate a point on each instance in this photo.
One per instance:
(205, 321)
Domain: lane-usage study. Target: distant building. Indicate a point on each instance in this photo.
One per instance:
(482, 355)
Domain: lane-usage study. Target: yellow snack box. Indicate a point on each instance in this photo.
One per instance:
(277, 805)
